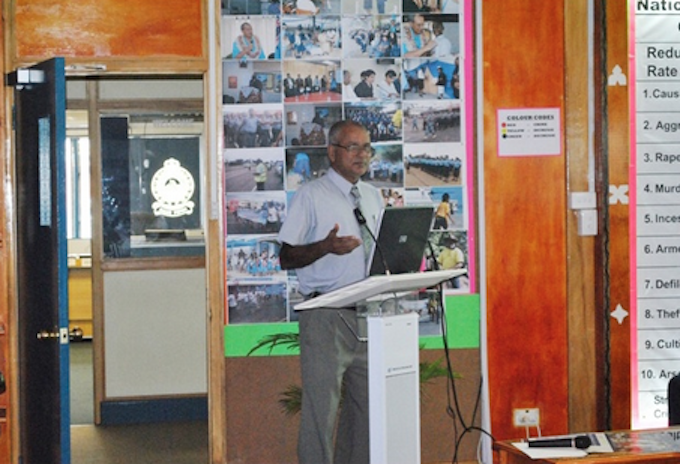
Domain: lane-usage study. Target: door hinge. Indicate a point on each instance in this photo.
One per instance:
(25, 78)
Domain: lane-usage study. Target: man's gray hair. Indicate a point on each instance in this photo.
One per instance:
(339, 126)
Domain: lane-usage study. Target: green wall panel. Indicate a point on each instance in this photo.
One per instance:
(462, 322)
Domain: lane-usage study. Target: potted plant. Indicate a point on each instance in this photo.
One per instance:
(291, 397)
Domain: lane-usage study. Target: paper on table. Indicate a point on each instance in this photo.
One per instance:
(539, 453)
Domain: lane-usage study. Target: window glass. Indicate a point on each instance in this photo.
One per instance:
(151, 185)
(78, 199)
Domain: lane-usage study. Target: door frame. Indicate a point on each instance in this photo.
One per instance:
(215, 359)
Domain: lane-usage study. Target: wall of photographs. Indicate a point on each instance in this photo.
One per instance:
(290, 69)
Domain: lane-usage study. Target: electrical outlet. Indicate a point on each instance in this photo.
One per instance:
(525, 417)
(587, 222)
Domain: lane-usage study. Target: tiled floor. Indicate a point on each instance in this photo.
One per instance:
(167, 443)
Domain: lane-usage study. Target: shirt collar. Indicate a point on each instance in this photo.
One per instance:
(343, 184)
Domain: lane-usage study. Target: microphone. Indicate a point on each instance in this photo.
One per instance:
(362, 223)
(361, 219)
(580, 442)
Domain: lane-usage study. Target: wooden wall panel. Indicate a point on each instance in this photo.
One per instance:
(525, 200)
(582, 274)
(6, 354)
(107, 28)
(617, 139)
(259, 432)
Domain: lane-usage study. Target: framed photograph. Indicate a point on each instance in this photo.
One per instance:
(386, 169)
(431, 79)
(430, 35)
(450, 252)
(368, 80)
(383, 120)
(304, 164)
(307, 37)
(250, 7)
(251, 82)
(255, 126)
(436, 164)
(310, 7)
(253, 259)
(249, 38)
(252, 170)
(311, 123)
(311, 81)
(255, 212)
(439, 197)
(257, 303)
(432, 121)
(431, 6)
(372, 7)
(371, 36)
(393, 197)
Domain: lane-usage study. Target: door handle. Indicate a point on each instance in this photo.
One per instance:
(3, 384)
(46, 334)
(60, 334)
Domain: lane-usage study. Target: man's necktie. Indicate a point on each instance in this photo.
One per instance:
(365, 233)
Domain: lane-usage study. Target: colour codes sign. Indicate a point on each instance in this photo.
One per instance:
(529, 132)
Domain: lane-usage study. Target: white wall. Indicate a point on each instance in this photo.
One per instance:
(155, 333)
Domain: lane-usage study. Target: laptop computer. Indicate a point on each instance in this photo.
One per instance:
(402, 235)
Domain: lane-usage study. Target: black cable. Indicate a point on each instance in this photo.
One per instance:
(605, 235)
(362, 223)
(451, 382)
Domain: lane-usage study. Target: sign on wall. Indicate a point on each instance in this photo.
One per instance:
(655, 208)
(529, 132)
(293, 68)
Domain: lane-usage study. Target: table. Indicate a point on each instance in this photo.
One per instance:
(660, 446)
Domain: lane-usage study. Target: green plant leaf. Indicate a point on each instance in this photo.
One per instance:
(291, 400)
(291, 340)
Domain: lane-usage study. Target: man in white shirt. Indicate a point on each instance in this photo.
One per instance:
(348, 93)
(386, 90)
(417, 41)
(323, 244)
(444, 46)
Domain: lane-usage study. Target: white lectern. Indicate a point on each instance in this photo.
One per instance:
(393, 362)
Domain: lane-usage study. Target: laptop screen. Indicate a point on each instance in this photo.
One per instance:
(402, 235)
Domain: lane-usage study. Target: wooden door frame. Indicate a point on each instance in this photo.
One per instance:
(213, 264)
(584, 267)
(90, 66)
(215, 327)
(9, 432)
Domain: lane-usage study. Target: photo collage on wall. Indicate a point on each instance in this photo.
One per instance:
(292, 68)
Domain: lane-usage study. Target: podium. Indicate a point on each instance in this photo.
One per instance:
(393, 361)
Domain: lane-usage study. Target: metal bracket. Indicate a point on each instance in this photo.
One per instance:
(25, 78)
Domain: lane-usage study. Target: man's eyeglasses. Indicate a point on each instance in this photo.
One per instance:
(357, 149)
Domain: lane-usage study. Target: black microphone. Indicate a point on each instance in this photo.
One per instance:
(362, 223)
(580, 442)
(360, 218)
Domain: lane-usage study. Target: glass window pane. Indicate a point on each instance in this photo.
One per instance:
(85, 202)
(71, 210)
(151, 185)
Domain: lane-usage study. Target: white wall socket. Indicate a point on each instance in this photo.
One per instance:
(525, 417)
(586, 222)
